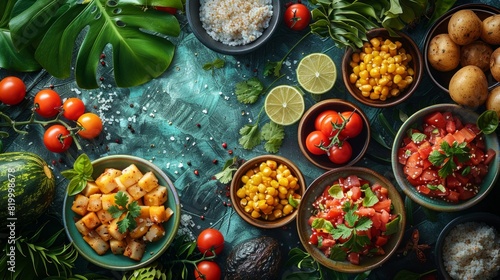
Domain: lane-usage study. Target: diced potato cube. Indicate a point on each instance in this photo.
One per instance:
(144, 212)
(157, 214)
(155, 233)
(168, 213)
(91, 220)
(107, 200)
(156, 197)
(117, 246)
(148, 182)
(95, 241)
(103, 232)
(95, 203)
(113, 230)
(104, 216)
(135, 250)
(106, 181)
(80, 205)
(140, 230)
(130, 175)
(81, 227)
(119, 185)
(90, 189)
(136, 192)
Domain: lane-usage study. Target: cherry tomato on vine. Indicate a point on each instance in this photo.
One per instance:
(73, 108)
(90, 124)
(47, 103)
(57, 138)
(314, 140)
(297, 16)
(207, 270)
(210, 239)
(354, 124)
(340, 154)
(321, 117)
(12, 90)
(326, 124)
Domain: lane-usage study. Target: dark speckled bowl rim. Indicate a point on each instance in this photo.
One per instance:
(193, 18)
(480, 217)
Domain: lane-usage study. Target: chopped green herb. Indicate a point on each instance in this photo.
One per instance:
(248, 92)
(436, 187)
(370, 198)
(216, 64)
(445, 160)
(131, 211)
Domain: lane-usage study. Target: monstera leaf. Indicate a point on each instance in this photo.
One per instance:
(135, 32)
(10, 58)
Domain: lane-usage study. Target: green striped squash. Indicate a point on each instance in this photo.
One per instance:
(27, 188)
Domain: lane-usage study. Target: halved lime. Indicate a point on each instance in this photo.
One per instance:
(316, 73)
(284, 105)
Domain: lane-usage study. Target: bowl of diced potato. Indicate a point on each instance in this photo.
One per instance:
(126, 217)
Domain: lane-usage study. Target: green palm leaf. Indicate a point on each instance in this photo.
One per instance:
(136, 33)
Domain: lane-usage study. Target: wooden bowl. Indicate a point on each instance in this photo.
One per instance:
(417, 64)
(359, 143)
(237, 183)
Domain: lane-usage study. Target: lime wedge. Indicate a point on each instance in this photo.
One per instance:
(316, 73)
(284, 105)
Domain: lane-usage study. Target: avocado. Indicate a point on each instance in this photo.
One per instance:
(257, 258)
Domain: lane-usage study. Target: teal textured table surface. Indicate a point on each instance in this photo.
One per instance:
(180, 121)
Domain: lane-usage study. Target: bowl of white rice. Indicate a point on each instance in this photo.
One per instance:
(233, 26)
(469, 247)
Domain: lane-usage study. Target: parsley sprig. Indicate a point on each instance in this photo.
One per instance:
(446, 158)
(131, 211)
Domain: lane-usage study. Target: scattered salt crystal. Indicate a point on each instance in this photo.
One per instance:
(172, 138)
(205, 111)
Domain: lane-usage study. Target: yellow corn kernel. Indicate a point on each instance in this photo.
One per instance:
(241, 193)
(287, 209)
(375, 42)
(243, 202)
(277, 213)
(375, 72)
(394, 92)
(353, 78)
(365, 93)
(366, 88)
(397, 79)
(355, 57)
(255, 214)
(363, 74)
(374, 95)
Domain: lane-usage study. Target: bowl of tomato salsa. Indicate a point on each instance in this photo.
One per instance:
(351, 219)
(442, 160)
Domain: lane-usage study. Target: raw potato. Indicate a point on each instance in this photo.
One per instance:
(464, 27)
(477, 53)
(490, 32)
(443, 54)
(495, 64)
(469, 87)
(493, 101)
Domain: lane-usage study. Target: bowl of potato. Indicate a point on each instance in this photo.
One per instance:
(126, 217)
(462, 53)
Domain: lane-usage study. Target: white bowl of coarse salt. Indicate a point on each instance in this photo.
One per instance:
(469, 247)
(233, 26)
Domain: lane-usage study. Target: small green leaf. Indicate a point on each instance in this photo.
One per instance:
(488, 121)
(336, 191)
(370, 198)
(250, 136)
(247, 92)
(392, 227)
(293, 201)
(274, 134)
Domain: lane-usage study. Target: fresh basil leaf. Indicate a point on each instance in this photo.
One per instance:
(336, 191)
(488, 121)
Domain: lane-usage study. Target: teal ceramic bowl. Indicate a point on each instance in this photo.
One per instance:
(153, 250)
(306, 209)
(416, 120)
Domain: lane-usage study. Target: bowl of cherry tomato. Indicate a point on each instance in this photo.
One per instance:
(333, 133)
(442, 160)
(266, 191)
(236, 43)
(385, 71)
(351, 219)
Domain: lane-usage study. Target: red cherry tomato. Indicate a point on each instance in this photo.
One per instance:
(321, 117)
(47, 103)
(90, 124)
(169, 10)
(73, 108)
(207, 270)
(57, 139)
(354, 124)
(210, 239)
(314, 140)
(12, 90)
(326, 125)
(340, 154)
(297, 16)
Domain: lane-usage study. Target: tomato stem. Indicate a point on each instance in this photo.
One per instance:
(32, 120)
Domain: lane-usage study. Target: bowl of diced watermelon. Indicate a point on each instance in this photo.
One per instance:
(124, 218)
(442, 160)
